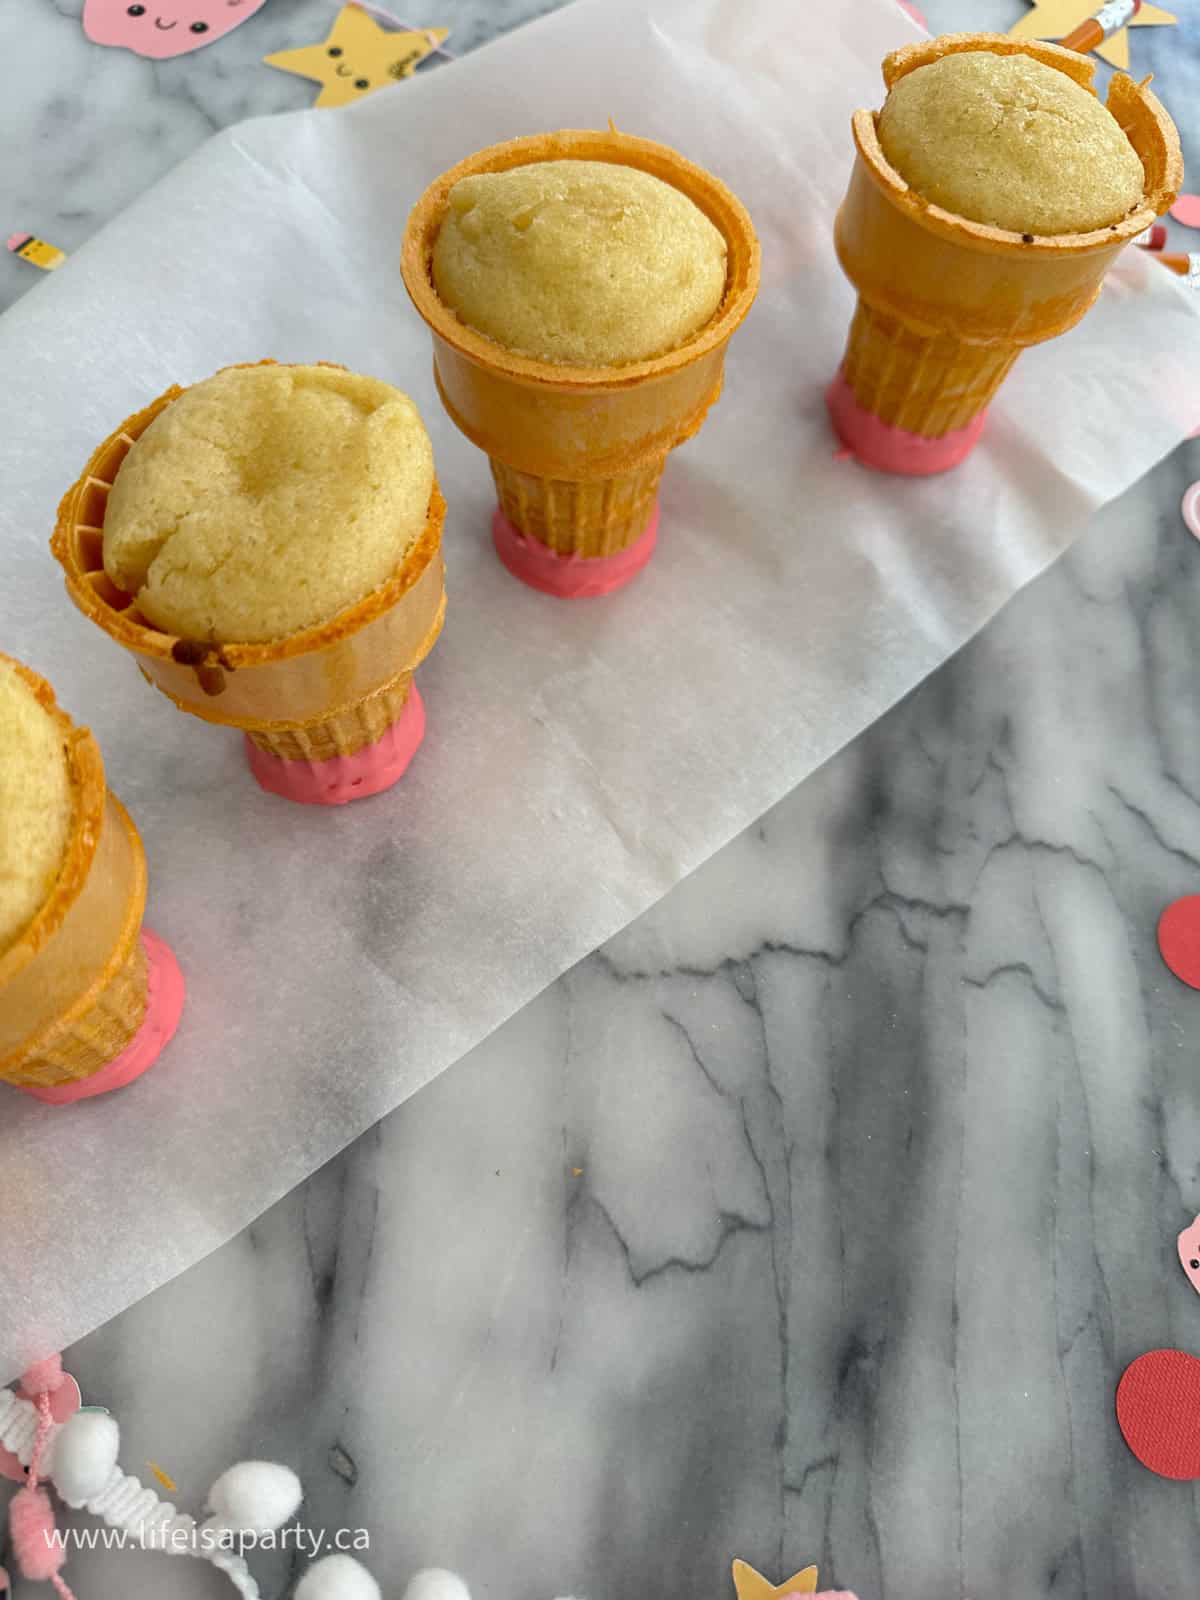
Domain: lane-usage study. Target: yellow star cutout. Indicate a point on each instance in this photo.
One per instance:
(358, 57)
(1054, 19)
(751, 1585)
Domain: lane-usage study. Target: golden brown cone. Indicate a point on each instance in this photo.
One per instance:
(577, 451)
(946, 304)
(73, 986)
(321, 688)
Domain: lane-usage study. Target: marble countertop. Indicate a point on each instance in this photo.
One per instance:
(817, 1215)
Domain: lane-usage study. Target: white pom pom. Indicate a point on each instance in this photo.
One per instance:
(85, 1452)
(255, 1496)
(435, 1583)
(337, 1578)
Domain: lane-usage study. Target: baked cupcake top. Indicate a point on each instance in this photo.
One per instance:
(267, 499)
(1006, 140)
(36, 804)
(579, 263)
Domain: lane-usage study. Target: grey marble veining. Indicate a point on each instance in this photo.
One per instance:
(816, 1216)
(885, 1122)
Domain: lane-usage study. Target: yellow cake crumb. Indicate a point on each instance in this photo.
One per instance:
(36, 805)
(267, 499)
(580, 263)
(1009, 141)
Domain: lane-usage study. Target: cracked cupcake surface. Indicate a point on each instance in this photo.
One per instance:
(36, 804)
(267, 499)
(1006, 140)
(579, 263)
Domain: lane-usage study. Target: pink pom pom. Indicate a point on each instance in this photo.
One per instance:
(31, 1521)
(43, 1377)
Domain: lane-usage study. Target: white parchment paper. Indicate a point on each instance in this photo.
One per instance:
(581, 757)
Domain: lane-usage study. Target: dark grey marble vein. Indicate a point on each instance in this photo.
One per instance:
(885, 1123)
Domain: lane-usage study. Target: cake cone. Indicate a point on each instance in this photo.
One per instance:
(323, 694)
(577, 452)
(73, 988)
(946, 305)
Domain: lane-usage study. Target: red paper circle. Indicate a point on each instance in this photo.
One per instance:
(1158, 1409)
(1179, 939)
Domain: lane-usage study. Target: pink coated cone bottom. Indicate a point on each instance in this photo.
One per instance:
(884, 448)
(339, 780)
(570, 577)
(165, 992)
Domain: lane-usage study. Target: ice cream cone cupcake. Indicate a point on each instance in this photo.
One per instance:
(88, 997)
(946, 300)
(335, 568)
(577, 443)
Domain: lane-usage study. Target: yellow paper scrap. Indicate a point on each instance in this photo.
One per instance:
(751, 1585)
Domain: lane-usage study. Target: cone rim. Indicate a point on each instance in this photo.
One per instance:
(1123, 94)
(145, 639)
(718, 203)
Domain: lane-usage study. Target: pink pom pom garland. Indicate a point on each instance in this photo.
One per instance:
(39, 1551)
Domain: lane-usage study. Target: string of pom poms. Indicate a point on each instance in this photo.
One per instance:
(39, 1551)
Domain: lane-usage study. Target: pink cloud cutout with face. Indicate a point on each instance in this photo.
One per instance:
(163, 28)
(1189, 1253)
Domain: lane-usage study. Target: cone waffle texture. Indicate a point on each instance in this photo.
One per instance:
(585, 517)
(319, 689)
(947, 304)
(577, 452)
(80, 1046)
(73, 986)
(343, 734)
(929, 384)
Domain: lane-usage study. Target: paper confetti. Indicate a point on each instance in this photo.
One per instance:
(1179, 927)
(751, 1585)
(1188, 1245)
(164, 1478)
(1054, 19)
(1187, 210)
(1191, 517)
(36, 251)
(163, 28)
(1158, 1410)
(358, 57)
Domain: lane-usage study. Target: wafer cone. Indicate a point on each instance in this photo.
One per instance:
(577, 452)
(73, 987)
(945, 305)
(328, 691)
